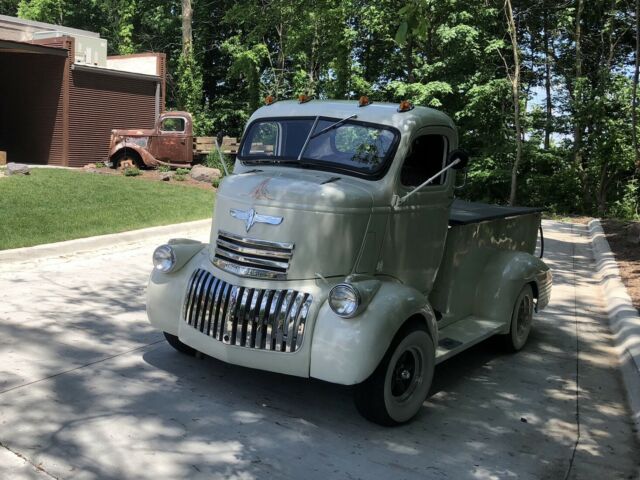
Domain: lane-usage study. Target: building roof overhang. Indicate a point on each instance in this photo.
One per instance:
(11, 46)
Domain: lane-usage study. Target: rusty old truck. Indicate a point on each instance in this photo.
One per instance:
(339, 252)
(170, 142)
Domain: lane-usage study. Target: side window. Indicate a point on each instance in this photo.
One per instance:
(264, 139)
(173, 124)
(426, 158)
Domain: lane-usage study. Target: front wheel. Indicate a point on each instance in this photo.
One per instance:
(178, 345)
(521, 320)
(396, 390)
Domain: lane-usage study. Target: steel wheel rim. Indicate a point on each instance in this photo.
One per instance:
(525, 316)
(407, 374)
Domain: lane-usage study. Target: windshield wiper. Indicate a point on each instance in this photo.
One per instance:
(306, 142)
(332, 126)
(324, 130)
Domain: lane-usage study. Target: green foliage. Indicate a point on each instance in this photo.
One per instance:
(179, 177)
(215, 183)
(213, 161)
(131, 172)
(628, 207)
(100, 165)
(164, 168)
(183, 171)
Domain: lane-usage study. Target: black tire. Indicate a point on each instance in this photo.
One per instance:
(178, 345)
(396, 390)
(521, 321)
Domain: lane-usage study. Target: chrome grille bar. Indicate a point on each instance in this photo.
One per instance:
(246, 317)
(251, 257)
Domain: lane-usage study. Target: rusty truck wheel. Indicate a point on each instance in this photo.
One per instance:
(126, 159)
(395, 392)
(521, 320)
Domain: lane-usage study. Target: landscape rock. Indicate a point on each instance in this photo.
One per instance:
(90, 166)
(18, 169)
(204, 174)
(633, 233)
(166, 176)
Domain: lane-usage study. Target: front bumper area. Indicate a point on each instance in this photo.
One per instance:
(177, 304)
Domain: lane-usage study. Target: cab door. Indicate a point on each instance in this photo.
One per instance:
(173, 142)
(417, 228)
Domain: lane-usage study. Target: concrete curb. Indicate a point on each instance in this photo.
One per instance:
(101, 241)
(623, 317)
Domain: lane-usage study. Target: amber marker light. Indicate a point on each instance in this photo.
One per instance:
(405, 106)
(269, 99)
(364, 101)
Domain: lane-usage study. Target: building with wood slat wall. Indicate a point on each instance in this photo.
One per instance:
(59, 111)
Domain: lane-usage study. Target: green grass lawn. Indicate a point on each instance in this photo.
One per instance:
(54, 205)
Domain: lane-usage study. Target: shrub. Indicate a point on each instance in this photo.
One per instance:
(628, 207)
(179, 176)
(164, 168)
(131, 172)
(213, 161)
(100, 165)
(216, 182)
(182, 171)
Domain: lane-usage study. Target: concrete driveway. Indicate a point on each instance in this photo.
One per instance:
(89, 390)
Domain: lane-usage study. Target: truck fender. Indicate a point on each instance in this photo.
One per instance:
(501, 281)
(347, 350)
(165, 291)
(148, 159)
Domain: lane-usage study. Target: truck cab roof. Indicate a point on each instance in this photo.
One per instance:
(379, 113)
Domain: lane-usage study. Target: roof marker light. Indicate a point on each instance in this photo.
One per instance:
(302, 98)
(364, 101)
(405, 106)
(269, 99)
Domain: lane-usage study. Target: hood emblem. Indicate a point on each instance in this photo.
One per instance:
(251, 217)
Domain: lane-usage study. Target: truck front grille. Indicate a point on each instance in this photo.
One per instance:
(250, 257)
(246, 317)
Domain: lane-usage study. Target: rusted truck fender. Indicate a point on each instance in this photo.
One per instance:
(148, 159)
(503, 278)
(347, 350)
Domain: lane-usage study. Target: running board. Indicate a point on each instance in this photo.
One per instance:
(463, 334)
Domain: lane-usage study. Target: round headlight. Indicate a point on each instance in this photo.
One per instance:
(344, 300)
(164, 258)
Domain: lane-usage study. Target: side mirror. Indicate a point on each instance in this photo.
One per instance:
(461, 156)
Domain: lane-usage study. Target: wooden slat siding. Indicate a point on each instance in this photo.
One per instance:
(99, 103)
(32, 127)
(59, 152)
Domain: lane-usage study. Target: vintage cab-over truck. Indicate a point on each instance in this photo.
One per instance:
(338, 252)
(170, 142)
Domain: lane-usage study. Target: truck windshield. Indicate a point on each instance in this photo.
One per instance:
(351, 146)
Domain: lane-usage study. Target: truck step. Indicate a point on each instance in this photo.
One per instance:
(463, 334)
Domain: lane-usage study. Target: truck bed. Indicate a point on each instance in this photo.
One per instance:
(465, 213)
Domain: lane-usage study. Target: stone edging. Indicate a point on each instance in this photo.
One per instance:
(624, 319)
(70, 247)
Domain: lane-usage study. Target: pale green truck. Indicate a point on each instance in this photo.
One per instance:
(338, 252)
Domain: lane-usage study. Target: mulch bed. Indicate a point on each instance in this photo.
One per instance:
(152, 175)
(627, 255)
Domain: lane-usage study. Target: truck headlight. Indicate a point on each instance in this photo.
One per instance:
(344, 300)
(164, 258)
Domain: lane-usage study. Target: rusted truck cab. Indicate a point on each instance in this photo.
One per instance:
(338, 251)
(169, 142)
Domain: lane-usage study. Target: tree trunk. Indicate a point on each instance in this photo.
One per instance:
(515, 89)
(578, 127)
(187, 35)
(634, 101)
(547, 79)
